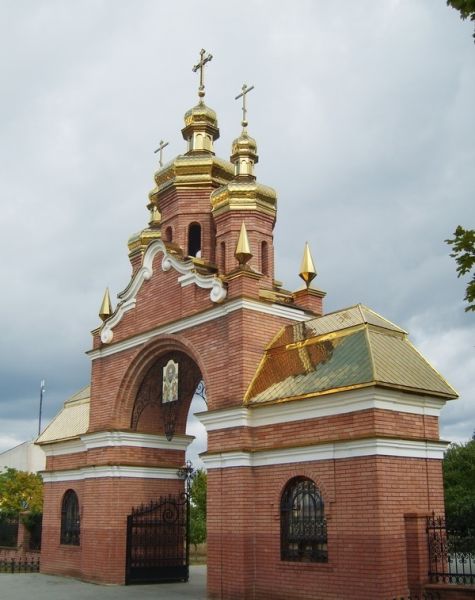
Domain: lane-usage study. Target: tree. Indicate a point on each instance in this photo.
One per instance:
(466, 8)
(463, 245)
(20, 491)
(459, 485)
(198, 491)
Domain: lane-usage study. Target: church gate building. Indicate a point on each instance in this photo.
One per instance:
(323, 454)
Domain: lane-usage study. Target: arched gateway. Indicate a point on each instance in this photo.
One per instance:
(322, 429)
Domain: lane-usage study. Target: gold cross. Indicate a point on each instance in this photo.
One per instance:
(160, 149)
(203, 60)
(242, 95)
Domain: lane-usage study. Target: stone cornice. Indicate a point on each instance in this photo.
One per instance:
(332, 451)
(109, 471)
(321, 406)
(116, 439)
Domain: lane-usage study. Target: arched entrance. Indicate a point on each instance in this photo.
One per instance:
(165, 394)
(157, 546)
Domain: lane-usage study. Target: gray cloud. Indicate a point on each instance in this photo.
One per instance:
(364, 121)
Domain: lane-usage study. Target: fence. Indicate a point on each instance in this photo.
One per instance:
(8, 531)
(19, 565)
(451, 553)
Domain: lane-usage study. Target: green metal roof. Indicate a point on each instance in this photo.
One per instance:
(354, 347)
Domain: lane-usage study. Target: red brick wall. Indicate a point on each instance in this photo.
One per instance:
(104, 504)
(347, 426)
(365, 502)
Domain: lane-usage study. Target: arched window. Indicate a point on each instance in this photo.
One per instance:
(70, 526)
(264, 258)
(168, 234)
(194, 240)
(302, 522)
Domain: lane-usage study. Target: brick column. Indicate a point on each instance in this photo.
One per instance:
(417, 551)
(23, 539)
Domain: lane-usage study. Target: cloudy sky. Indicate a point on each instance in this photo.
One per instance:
(364, 117)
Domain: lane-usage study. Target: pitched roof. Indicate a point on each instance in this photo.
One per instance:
(353, 347)
(71, 421)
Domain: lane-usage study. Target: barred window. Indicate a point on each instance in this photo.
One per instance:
(70, 527)
(302, 522)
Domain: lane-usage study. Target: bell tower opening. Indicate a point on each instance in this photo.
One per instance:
(194, 240)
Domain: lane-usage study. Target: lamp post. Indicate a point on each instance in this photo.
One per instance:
(187, 472)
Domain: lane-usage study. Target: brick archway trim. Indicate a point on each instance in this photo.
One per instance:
(142, 362)
(188, 275)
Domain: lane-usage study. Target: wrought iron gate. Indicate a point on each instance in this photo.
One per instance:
(157, 541)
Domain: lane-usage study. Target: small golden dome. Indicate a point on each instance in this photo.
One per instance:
(201, 115)
(244, 144)
(201, 128)
(244, 155)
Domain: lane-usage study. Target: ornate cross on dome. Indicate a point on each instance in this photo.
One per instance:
(160, 149)
(203, 60)
(242, 95)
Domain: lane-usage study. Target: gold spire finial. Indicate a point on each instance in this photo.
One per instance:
(307, 268)
(243, 251)
(245, 90)
(106, 308)
(200, 65)
(160, 149)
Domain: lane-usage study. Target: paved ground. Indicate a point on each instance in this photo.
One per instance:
(36, 586)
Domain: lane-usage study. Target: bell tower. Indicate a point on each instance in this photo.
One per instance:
(244, 200)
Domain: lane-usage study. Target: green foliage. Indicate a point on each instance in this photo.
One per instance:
(31, 520)
(20, 491)
(459, 485)
(463, 250)
(198, 508)
(466, 8)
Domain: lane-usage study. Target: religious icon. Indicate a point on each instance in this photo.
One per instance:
(170, 382)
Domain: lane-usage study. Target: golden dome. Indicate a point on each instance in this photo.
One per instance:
(201, 114)
(244, 144)
(244, 155)
(201, 128)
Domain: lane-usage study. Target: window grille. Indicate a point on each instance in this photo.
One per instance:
(70, 526)
(303, 524)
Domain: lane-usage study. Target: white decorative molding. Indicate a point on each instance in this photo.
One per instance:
(63, 447)
(322, 406)
(188, 275)
(117, 439)
(217, 312)
(104, 439)
(330, 451)
(109, 471)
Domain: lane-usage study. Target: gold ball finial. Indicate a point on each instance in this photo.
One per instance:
(243, 250)
(307, 268)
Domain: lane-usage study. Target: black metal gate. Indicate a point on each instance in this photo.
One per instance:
(157, 541)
